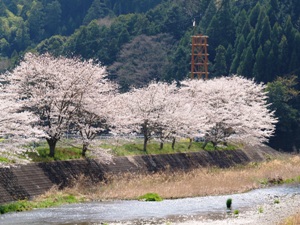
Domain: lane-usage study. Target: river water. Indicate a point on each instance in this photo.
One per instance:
(138, 211)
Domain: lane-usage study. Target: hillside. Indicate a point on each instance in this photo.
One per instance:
(142, 40)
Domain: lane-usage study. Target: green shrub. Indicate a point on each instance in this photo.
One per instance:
(276, 201)
(150, 197)
(236, 212)
(229, 203)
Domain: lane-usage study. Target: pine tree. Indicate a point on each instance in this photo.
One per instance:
(220, 66)
(259, 65)
(239, 50)
(208, 15)
(283, 55)
(246, 65)
(254, 14)
(265, 32)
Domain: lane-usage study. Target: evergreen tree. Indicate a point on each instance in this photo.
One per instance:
(246, 30)
(239, 50)
(270, 67)
(229, 57)
(246, 65)
(220, 66)
(97, 10)
(2, 9)
(242, 20)
(208, 15)
(266, 31)
(295, 57)
(36, 22)
(273, 11)
(255, 12)
(52, 17)
(283, 56)
(259, 65)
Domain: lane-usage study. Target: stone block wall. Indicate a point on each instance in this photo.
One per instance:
(27, 181)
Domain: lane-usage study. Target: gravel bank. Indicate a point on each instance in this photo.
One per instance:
(267, 214)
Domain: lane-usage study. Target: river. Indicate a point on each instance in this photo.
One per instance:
(139, 212)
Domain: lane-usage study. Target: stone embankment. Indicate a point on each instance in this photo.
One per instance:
(27, 181)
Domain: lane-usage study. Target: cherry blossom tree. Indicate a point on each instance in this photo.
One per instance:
(147, 111)
(218, 110)
(16, 126)
(54, 90)
(235, 109)
(94, 115)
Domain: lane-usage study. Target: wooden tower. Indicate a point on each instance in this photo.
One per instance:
(199, 64)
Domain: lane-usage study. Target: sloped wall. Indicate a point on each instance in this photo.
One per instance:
(27, 181)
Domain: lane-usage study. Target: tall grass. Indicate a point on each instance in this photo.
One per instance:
(198, 182)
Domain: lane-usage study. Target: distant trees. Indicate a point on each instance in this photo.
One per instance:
(142, 60)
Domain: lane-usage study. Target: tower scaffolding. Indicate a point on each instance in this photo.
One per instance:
(199, 63)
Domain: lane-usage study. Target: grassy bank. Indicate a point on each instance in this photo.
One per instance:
(71, 149)
(50, 199)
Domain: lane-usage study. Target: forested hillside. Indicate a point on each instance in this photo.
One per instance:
(142, 40)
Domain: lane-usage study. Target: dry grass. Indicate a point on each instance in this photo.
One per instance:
(294, 220)
(199, 182)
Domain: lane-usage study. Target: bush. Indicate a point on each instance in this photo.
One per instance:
(229, 203)
(150, 197)
(236, 212)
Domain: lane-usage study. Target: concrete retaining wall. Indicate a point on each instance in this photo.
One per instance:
(27, 181)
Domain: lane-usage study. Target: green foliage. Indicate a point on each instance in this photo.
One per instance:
(260, 209)
(150, 197)
(281, 92)
(4, 160)
(276, 201)
(25, 205)
(236, 212)
(229, 203)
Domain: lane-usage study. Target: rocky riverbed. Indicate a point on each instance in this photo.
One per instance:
(269, 213)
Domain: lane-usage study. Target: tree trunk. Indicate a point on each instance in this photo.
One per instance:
(215, 144)
(84, 149)
(145, 143)
(204, 144)
(173, 143)
(52, 143)
(161, 146)
(190, 144)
